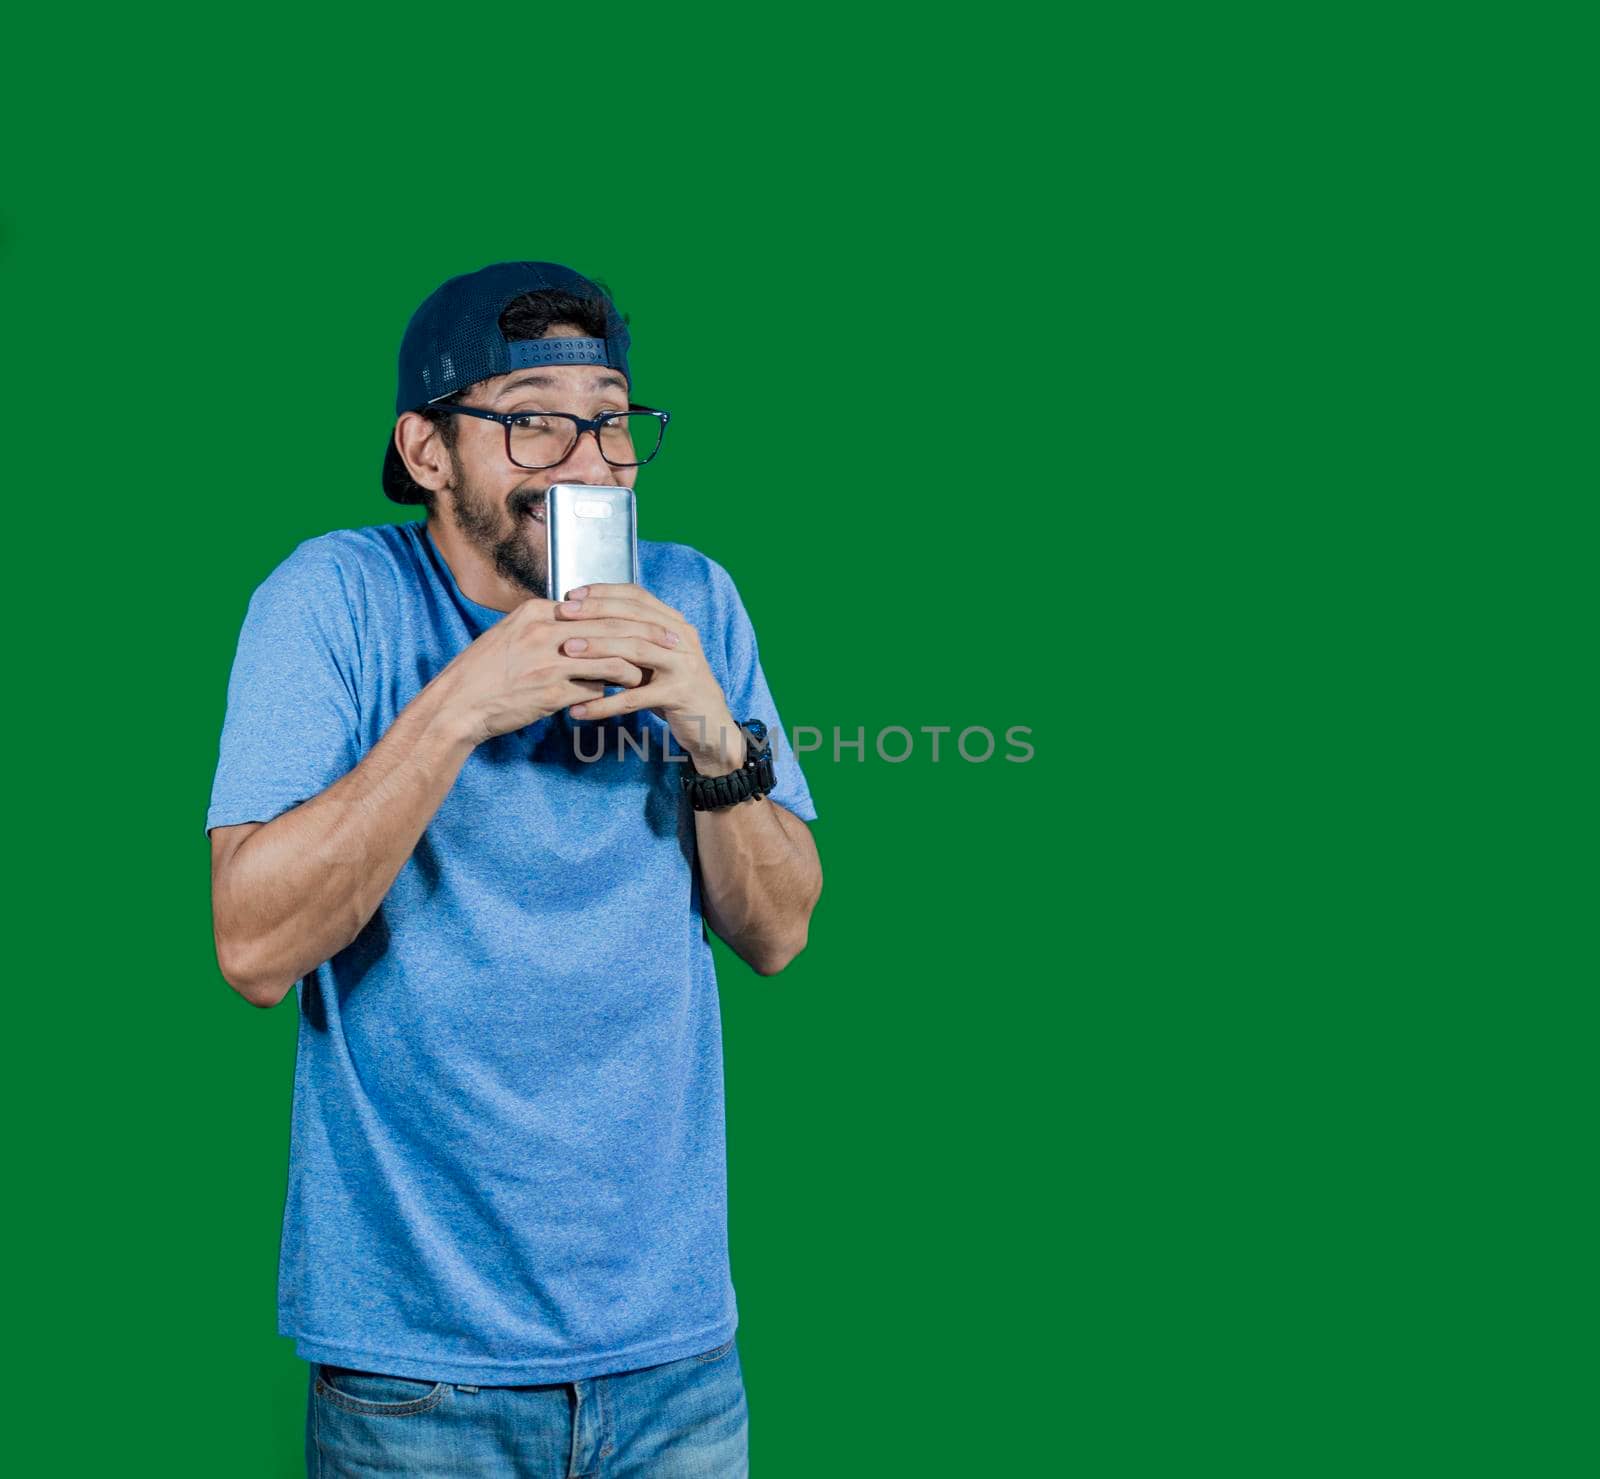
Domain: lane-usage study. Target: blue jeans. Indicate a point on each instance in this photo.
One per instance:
(684, 1419)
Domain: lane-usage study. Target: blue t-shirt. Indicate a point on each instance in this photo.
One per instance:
(506, 1159)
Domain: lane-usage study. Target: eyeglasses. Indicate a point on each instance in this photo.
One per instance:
(536, 439)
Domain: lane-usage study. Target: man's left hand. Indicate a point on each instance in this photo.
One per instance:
(679, 685)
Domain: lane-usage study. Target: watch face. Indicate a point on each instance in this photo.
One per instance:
(756, 727)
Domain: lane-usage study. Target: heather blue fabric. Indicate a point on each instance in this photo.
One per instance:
(507, 1159)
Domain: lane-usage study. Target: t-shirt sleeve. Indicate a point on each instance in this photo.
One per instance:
(745, 687)
(292, 726)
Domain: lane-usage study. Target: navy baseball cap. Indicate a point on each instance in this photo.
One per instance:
(454, 340)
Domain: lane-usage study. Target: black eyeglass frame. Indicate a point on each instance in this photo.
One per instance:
(583, 424)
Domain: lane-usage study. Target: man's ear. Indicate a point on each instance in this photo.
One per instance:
(421, 446)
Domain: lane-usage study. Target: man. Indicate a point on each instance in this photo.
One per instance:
(506, 1217)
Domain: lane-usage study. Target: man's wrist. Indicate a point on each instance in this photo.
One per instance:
(723, 751)
(754, 778)
(447, 718)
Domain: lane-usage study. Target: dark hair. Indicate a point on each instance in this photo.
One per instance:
(531, 316)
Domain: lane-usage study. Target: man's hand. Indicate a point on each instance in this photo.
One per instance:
(516, 674)
(623, 622)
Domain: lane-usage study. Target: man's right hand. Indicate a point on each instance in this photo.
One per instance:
(516, 674)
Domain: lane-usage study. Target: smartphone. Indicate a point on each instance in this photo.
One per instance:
(591, 534)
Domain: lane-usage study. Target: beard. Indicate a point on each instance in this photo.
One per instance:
(520, 556)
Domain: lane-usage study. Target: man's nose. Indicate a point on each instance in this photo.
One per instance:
(584, 461)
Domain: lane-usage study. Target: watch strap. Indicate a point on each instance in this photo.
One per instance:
(756, 777)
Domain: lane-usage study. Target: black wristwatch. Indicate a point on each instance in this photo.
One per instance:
(754, 778)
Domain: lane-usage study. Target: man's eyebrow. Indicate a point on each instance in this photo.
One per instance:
(546, 382)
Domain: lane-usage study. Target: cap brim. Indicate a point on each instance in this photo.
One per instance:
(396, 480)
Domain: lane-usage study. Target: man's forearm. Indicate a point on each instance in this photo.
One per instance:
(760, 878)
(299, 889)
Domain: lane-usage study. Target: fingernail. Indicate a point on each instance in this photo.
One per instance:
(672, 639)
(572, 605)
(576, 711)
(582, 590)
(577, 644)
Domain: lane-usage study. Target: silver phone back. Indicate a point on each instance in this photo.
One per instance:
(590, 534)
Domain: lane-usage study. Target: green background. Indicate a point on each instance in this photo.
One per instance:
(1210, 1094)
